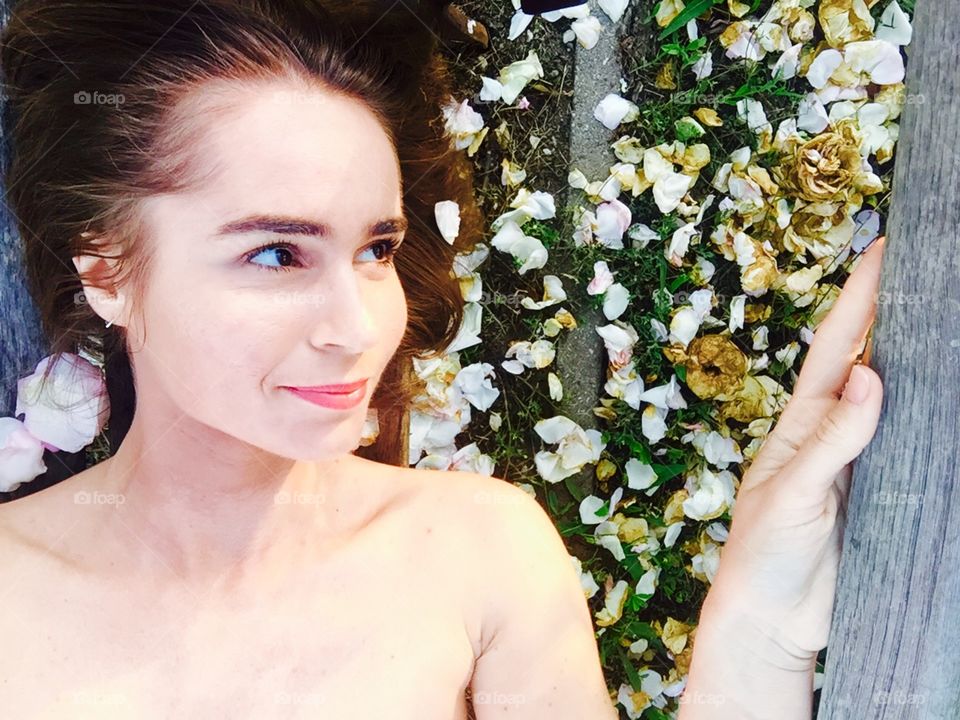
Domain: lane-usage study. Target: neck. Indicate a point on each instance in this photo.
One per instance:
(199, 505)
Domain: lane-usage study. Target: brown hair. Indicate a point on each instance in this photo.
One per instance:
(79, 169)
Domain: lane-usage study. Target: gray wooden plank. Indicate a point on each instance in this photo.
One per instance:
(894, 649)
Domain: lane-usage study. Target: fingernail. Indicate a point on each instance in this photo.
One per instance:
(858, 385)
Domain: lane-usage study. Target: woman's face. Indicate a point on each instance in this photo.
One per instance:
(275, 273)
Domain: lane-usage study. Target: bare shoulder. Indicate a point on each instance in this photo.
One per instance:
(491, 509)
(36, 526)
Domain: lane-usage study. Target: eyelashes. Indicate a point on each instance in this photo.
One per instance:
(391, 247)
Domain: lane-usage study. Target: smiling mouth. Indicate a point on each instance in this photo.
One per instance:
(340, 389)
(334, 400)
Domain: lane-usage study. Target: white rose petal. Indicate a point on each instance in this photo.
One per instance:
(703, 67)
(823, 66)
(673, 532)
(881, 60)
(587, 31)
(469, 332)
(71, 409)
(789, 63)
(680, 243)
(615, 301)
(21, 455)
(669, 191)
(518, 24)
(553, 293)
(529, 250)
(515, 76)
(894, 26)
(613, 110)
(641, 235)
(653, 423)
(555, 387)
(640, 476)
(613, 219)
(591, 504)
(812, 115)
(447, 213)
(666, 397)
(492, 90)
(684, 326)
(602, 278)
(474, 382)
(614, 8)
(737, 309)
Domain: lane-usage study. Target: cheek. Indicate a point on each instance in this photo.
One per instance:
(395, 316)
(207, 341)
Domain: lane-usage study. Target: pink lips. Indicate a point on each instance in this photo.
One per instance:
(338, 397)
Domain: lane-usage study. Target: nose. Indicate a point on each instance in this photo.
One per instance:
(345, 318)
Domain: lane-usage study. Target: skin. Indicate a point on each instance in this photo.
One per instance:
(169, 580)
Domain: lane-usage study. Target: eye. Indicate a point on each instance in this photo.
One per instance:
(280, 255)
(284, 257)
(388, 250)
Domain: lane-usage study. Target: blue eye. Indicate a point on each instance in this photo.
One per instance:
(283, 257)
(280, 254)
(391, 246)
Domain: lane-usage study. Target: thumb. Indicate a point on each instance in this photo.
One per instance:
(840, 436)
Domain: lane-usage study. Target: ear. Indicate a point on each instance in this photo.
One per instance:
(103, 297)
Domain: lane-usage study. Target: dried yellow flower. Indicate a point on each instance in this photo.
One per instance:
(715, 366)
(738, 9)
(566, 319)
(760, 275)
(845, 21)
(674, 508)
(674, 635)
(665, 79)
(668, 10)
(605, 470)
(708, 116)
(695, 157)
(824, 166)
(756, 312)
(760, 397)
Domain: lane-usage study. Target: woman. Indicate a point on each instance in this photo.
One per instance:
(243, 199)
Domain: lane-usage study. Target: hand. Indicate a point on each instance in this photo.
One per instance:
(779, 566)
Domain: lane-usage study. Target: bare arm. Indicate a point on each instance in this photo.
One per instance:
(540, 658)
(738, 673)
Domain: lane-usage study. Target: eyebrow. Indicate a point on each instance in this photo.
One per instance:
(283, 225)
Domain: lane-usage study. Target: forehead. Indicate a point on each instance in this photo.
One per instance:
(283, 146)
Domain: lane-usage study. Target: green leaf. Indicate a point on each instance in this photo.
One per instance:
(668, 472)
(681, 371)
(691, 11)
(632, 675)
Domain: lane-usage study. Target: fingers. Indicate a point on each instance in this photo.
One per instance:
(839, 336)
(839, 438)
